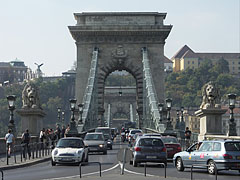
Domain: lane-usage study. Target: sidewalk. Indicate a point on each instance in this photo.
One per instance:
(18, 164)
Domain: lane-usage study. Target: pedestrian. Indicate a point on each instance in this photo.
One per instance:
(63, 131)
(25, 141)
(188, 134)
(58, 130)
(42, 137)
(9, 138)
(67, 130)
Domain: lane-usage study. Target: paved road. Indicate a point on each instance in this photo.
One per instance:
(110, 167)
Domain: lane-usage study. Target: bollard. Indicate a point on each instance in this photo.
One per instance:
(145, 169)
(82, 163)
(2, 174)
(165, 169)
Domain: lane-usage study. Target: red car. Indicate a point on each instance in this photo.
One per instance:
(172, 145)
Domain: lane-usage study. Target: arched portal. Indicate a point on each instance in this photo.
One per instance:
(120, 36)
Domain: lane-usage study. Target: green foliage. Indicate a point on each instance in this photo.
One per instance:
(185, 87)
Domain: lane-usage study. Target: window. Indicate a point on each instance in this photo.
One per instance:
(206, 147)
(233, 62)
(217, 146)
(193, 62)
(188, 62)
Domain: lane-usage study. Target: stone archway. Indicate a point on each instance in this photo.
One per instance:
(120, 36)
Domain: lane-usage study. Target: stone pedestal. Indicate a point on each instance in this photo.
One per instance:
(210, 122)
(31, 119)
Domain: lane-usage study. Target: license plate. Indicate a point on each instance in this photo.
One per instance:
(169, 149)
(238, 157)
(151, 157)
(66, 159)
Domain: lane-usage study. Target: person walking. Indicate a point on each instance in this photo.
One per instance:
(25, 141)
(9, 138)
(188, 134)
(63, 131)
(42, 137)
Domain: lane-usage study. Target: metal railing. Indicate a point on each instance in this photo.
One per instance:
(199, 166)
(31, 150)
(165, 169)
(83, 163)
(1, 173)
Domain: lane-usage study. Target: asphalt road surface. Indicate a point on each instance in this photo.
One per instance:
(110, 165)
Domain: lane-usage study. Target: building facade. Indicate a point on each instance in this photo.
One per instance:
(187, 58)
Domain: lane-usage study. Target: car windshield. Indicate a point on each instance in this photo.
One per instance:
(232, 146)
(170, 140)
(150, 142)
(94, 137)
(72, 143)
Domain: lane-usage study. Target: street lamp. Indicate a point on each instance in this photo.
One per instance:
(160, 108)
(11, 99)
(63, 113)
(73, 130)
(80, 108)
(169, 106)
(177, 126)
(232, 124)
(59, 111)
(182, 127)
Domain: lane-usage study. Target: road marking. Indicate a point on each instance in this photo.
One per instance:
(133, 172)
(97, 172)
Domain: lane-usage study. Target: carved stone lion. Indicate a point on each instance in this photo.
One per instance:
(211, 96)
(30, 96)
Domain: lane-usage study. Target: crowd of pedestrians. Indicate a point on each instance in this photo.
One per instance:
(47, 137)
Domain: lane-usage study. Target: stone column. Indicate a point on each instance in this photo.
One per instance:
(210, 122)
(32, 119)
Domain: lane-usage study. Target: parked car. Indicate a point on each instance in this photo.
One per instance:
(69, 150)
(224, 153)
(107, 135)
(172, 145)
(95, 142)
(148, 149)
(132, 132)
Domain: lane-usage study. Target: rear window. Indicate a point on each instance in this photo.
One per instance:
(150, 142)
(170, 140)
(232, 146)
(136, 131)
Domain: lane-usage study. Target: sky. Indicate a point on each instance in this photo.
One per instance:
(36, 31)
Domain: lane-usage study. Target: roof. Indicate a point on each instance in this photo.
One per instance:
(219, 55)
(4, 64)
(182, 51)
(166, 60)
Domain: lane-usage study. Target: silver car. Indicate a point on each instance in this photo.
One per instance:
(224, 153)
(95, 142)
(148, 149)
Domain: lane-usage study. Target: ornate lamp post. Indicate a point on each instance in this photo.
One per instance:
(177, 126)
(59, 111)
(182, 126)
(80, 108)
(73, 130)
(169, 106)
(232, 124)
(160, 108)
(63, 114)
(11, 99)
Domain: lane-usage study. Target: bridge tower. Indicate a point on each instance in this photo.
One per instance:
(120, 37)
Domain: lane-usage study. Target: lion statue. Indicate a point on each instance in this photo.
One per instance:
(211, 96)
(30, 96)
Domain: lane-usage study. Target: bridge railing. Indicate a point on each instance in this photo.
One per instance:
(90, 96)
(151, 113)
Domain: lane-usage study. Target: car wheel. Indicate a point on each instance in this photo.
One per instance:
(111, 148)
(179, 164)
(135, 164)
(130, 162)
(211, 167)
(53, 163)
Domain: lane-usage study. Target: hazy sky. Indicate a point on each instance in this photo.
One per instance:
(37, 30)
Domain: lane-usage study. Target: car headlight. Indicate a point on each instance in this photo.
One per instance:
(55, 152)
(79, 152)
(101, 145)
(109, 142)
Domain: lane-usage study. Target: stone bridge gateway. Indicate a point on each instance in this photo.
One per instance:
(119, 38)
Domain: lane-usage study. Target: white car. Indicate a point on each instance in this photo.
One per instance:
(69, 150)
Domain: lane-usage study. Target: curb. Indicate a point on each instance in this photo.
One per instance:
(26, 164)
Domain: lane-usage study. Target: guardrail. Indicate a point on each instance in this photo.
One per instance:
(82, 163)
(165, 169)
(2, 174)
(199, 166)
